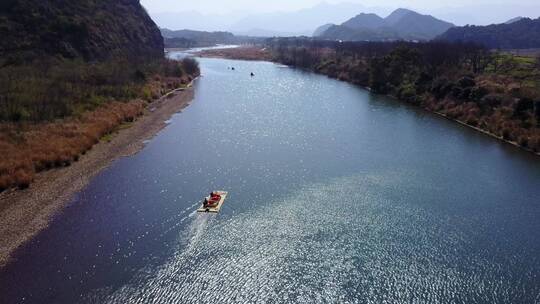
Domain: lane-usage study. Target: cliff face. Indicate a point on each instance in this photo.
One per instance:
(93, 30)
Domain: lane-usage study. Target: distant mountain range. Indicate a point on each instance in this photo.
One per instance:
(295, 23)
(519, 33)
(402, 24)
(286, 23)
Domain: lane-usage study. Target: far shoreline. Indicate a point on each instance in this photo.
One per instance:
(248, 53)
(25, 213)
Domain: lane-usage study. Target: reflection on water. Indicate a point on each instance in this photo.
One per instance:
(342, 241)
(336, 195)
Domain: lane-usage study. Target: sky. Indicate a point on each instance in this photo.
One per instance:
(253, 6)
(302, 17)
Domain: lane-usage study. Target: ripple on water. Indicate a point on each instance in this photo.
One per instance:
(345, 241)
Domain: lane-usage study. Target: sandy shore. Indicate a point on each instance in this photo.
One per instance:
(24, 213)
(251, 53)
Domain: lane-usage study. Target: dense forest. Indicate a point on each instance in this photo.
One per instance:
(497, 93)
(522, 33)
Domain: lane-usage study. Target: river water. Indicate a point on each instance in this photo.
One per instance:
(336, 196)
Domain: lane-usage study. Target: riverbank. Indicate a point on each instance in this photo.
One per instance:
(250, 53)
(24, 213)
(495, 105)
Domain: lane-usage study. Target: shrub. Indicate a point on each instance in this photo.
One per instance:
(407, 92)
(491, 100)
(466, 82)
(477, 93)
(441, 87)
(522, 107)
(53, 88)
(190, 65)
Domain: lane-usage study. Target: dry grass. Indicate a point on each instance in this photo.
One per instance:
(30, 148)
(241, 53)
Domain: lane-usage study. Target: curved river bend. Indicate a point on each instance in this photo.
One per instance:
(336, 196)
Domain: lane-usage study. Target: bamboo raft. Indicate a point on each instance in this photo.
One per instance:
(214, 209)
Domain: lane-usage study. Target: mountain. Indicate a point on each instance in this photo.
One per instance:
(514, 20)
(522, 34)
(321, 29)
(365, 21)
(411, 25)
(77, 29)
(339, 32)
(397, 15)
(400, 24)
(195, 21)
(261, 32)
(486, 13)
(295, 23)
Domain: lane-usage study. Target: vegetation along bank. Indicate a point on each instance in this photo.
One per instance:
(495, 92)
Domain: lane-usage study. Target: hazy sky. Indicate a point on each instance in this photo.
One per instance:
(227, 6)
(244, 16)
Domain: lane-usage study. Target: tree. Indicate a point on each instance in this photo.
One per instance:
(191, 66)
(377, 75)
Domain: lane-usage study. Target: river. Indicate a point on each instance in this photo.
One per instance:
(335, 196)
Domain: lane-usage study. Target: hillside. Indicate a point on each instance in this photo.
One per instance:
(191, 38)
(89, 30)
(402, 24)
(521, 34)
(339, 32)
(411, 25)
(365, 21)
(71, 73)
(321, 29)
(200, 38)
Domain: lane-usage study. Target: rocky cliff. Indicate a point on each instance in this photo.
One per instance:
(92, 30)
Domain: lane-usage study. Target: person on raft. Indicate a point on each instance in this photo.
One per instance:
(214, 199)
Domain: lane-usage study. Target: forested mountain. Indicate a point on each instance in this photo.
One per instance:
(91, 30)
(365, 21)
(402, 24)
(411, 25)
(339, 32)
(521, 34)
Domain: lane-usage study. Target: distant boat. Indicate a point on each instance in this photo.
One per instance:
(252, 74)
